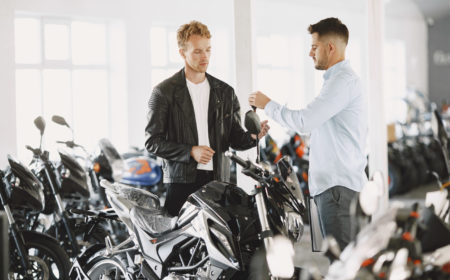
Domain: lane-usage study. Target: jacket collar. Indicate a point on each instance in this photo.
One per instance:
(183, 98)
(180, 79)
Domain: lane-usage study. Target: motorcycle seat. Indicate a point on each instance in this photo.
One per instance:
(139, 197)
(154, 221)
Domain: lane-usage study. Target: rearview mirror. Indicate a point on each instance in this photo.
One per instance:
(59, 120)
(252, 122)
(437, 125)
(39, 122)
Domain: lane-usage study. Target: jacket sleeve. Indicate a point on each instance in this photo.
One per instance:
(156, 131)
(239, 139)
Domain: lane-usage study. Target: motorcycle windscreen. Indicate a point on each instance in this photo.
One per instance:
(289, 177)
(28, 190)
(114, 159)
(76, 181)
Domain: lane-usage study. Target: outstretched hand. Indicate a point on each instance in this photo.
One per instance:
(258, 99)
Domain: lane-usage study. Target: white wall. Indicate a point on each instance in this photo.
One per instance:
(137, 17)
(7, 89)
(288, 16)
(405, 22)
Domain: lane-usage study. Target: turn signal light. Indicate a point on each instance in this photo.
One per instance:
(96, 167)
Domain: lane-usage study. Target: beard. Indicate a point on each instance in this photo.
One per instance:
(321, 64)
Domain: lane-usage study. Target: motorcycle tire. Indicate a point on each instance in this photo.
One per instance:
(395, 179)
(45, 251)
(259, 270)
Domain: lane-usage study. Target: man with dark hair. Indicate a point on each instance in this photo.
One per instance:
(193, 119)
(337, 121)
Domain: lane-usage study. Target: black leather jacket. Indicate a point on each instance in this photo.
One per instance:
(172, 130)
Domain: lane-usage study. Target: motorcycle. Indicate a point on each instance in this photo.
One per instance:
(33, 255)
(217, 232)
(65, 185)
(139, 169)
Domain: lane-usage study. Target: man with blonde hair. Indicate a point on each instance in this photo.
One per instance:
(193, 119)
(337, 121)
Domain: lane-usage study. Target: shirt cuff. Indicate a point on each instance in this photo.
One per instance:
(271, 107)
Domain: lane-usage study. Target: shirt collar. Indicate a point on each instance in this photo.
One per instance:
(335, 68)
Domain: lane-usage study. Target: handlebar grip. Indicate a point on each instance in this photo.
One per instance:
(237, 159)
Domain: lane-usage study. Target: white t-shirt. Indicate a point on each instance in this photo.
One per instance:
(200, 99)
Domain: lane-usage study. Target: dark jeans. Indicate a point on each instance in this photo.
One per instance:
(177, 193)
(333, 207)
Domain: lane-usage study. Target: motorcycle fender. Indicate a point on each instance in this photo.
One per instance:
(76, 272)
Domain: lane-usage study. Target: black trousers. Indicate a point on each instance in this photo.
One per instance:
(177, 193)
(333, 206)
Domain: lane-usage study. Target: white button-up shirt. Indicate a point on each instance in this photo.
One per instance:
(337, 120)
(200, 99)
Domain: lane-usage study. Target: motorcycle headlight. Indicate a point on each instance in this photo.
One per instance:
(65, 173)
(294, 225)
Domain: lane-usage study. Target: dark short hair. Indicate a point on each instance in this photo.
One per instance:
(330, 26)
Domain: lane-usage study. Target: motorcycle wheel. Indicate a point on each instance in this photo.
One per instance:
(48, 260)
(259, 270)
(105, 268)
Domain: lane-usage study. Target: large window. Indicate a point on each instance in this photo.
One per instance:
(62, 68)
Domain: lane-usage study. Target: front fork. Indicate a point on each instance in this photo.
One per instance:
(266, 233)
(18, 241)
(69, 235)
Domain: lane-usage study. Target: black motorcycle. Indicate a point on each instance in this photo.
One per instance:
(65, 186)
(33, 255)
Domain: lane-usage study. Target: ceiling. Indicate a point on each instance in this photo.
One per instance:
(434, 9)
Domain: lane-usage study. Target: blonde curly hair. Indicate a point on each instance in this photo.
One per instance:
(192, 28)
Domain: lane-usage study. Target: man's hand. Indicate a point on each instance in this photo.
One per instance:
(202, 154)
(264, 129)
(258, 99)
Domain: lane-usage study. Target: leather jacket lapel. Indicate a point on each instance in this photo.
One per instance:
(184, 101)
(214, 115)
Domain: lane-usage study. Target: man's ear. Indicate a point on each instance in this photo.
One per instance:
(181, 51)
(331, 47)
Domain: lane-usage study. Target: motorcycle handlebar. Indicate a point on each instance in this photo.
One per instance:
(237, 159)
(34, 151)
(69, 144)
